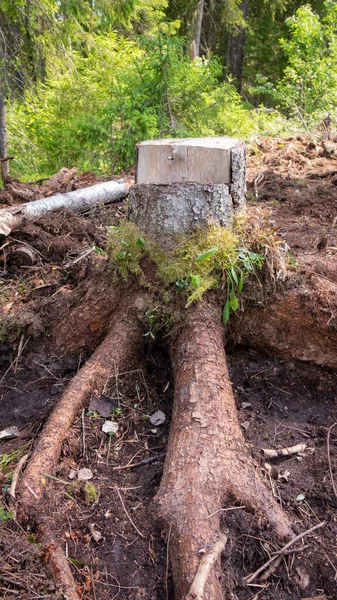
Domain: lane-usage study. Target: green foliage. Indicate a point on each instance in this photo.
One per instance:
(308, 89)
(6, 515)
(120, 92)
(214, 257)
(126, 247)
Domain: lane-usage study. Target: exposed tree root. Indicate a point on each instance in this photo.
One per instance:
(300, 323)
(57, 561)
(118, 349)
(207, 460)
(197, 589)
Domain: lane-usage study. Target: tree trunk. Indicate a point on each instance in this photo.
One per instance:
(199, 26)
(186, 183)
(207, 462)
(79, 200)
(237, 42)
(4, 165)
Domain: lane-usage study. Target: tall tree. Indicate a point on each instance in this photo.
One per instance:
(4, 167)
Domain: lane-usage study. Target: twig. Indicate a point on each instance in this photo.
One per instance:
(84, 255)
(15, 360)
(167, 561)
(31, 491)
(127, 514)
(16, 474)
(272, 453)
(2, 160)
(253, 576)
(271, 569)
(225, 510)
(145, 461)
(196, 591)
(48, 476)
(18, 353)
(329, 459)
(83, 433)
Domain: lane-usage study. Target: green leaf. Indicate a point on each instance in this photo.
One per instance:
(182, 284)
(234, 275)
(140, 242)
(234, 303)
(195, 280)
(207, 254)
(240, 284)
(225, 313)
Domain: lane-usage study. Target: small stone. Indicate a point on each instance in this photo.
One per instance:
(72, 474)
(158, 418)
(246, 405)
(9, 433)
(85, 474)
(102, 405)
(245, 425)
(110, 427)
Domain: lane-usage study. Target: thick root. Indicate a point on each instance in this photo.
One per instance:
(119, 349)
(58, 563)
(207, 460)
(299, 324)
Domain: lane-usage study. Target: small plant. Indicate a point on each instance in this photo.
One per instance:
(99, 251)
(214, 257)
(6, 515)
(151, 316)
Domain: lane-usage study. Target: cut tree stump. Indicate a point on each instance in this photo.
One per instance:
(186, 183)
(182, 184)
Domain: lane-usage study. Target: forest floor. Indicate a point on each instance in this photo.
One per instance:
(107, 529)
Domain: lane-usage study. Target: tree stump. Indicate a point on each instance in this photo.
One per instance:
(183, 184)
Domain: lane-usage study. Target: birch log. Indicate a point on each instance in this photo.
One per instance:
(101, 193)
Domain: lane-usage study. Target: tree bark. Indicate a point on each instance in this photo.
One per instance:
(79, 200)
(119, 348)
(207, 460)
(4, 165)
(237, 42)
(199, 26)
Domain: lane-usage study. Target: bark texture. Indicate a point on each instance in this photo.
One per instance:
(119, 349)
(165, 211)
(199, 26)
(4, 166)
(59, 564)
(207, 460)
(79, 200)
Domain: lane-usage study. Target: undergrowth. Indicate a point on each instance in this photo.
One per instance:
(209, 258)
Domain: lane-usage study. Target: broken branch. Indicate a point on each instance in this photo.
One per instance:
(197, 589)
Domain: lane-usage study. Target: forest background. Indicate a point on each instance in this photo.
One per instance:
(82, 81)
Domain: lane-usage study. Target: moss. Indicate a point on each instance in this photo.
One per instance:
(213, 257)
(90, 492)
(126, 248)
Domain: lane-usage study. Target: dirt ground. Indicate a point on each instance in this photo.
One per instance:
(106, 525)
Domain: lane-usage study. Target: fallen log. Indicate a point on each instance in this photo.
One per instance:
(79, 200)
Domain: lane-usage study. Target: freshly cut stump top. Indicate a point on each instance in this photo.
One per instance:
(184, 183)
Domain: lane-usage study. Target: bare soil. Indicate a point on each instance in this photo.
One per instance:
(280, 404)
